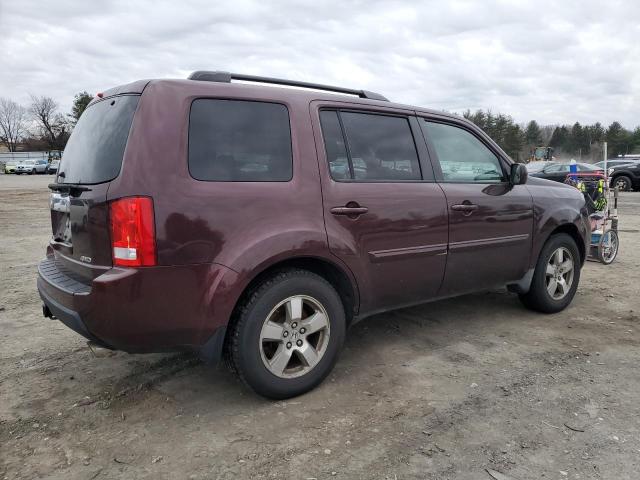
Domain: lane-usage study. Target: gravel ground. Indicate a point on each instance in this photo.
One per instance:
(441, 391)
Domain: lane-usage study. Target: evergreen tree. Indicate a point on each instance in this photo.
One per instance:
(533, 134)
(80, 103)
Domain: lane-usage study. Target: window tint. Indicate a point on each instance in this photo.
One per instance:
(95, 149)
(381, 147)
(378, 147)
(334, 145)
(462, 157)
(239, 141)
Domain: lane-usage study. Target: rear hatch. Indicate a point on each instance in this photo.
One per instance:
(79, 211)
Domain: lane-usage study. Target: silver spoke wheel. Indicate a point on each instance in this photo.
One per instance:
(294, 336)
(559, 273)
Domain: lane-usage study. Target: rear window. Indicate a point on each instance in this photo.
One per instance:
(95, 150)
(239, 141)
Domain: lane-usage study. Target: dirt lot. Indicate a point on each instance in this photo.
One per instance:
(440, 391)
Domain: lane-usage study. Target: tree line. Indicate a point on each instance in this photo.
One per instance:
(582, 142)
(40, 125)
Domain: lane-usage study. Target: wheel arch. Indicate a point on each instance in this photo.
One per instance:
(571, 230)
(337, 276)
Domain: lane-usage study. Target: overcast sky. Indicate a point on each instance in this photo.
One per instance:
(555, 61)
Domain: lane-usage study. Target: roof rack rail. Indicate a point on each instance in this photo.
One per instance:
(226, 77)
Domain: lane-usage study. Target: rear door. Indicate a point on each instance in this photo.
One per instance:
(385, 216)
(79, 211)
(490, 221)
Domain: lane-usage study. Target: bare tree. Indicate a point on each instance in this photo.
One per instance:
(53, 126)
(13, 120)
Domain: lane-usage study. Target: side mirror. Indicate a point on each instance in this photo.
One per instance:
(518, 174)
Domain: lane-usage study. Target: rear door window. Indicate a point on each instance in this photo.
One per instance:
(95, 149)
(377, 147)
(239, 141)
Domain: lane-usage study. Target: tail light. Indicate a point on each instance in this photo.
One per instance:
(133, 236)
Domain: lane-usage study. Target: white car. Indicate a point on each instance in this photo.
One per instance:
(31, 166)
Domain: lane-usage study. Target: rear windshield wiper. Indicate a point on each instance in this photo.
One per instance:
(68, 187)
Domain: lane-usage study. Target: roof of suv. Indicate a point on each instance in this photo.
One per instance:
(280, 89)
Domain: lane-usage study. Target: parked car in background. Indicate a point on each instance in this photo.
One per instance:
(558, 171)
(31, 166)
(616, 162)
(533, 167)
(10, 166)
(53, 167)
(626, 176)
(174, 228)
(26, 166)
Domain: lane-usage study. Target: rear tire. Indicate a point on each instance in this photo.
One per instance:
(269, 347)
(556, 277)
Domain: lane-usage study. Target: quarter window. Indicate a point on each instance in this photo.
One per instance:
(462, 157)
(377, 147)
(334, 145)
(239, 141)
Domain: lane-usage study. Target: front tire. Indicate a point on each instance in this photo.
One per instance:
(556, 277)
(623, 183)
(287, 334)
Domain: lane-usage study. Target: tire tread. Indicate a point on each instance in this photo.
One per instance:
(241, 316)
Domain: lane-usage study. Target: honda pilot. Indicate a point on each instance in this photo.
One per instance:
(227, 215)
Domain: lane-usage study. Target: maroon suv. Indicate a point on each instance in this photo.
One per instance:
(256, 222)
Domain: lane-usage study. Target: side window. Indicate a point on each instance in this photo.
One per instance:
(558, 168)
(239, 141)
(462, 157)
(334, 145)
(377, 147)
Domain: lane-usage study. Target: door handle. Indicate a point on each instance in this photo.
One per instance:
(466, 208)
(349, 211)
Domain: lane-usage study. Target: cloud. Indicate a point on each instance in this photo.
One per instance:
(556, 62)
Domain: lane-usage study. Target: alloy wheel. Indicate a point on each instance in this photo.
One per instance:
(559, 273)
(621, 183)
(294, 336)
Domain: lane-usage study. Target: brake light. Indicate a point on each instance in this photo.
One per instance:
(133, 237)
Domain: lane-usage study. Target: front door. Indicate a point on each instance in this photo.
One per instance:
(386, 218)
(490, 221)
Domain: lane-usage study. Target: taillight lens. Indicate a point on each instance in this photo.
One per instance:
(133, 237)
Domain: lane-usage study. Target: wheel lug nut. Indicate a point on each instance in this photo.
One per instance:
(302, 330)
(294, 325)
(299, 343)
(285, 334)
(288, 344)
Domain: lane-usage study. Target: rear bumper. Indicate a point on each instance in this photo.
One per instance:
(152, 309)
(54, 310)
